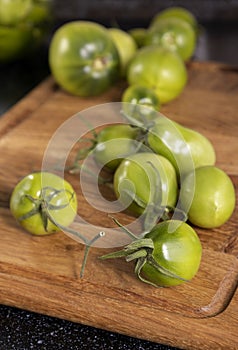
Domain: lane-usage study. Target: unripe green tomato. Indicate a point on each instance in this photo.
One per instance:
(36, 190)
(176, 12)
(126, 47)
(13, 11)
(185, 148)
(144, 175)
(14, 42)
(24, 37)
(140, 103)
(159, 69)
(41, 13)
(211, 194)
(175, 35)
(177, 248)
(139, 35)
(115, 142)
(83, 58)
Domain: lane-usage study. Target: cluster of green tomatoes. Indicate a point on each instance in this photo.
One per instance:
(165, 174)
(161, 172)
(86, 58)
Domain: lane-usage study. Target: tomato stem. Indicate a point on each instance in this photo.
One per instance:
(88, 246)
(128, 232)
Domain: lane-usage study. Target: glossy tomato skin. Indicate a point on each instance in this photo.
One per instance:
(213, 197)
(178, 249)
(32, 185)
(83, 58)
(185, 148)
(175, 35)
(137, 175)
(159, 69)
(115, 142)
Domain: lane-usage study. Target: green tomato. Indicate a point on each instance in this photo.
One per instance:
(177, 248)
(146, 178)
(176, 12)
(211, 194)
(13, 11)
(140, 102)
(83, 58)
(139, 35)
(23, 38)
(41, 13)
(175, 35)
(113, 143)
(14, 42)
(18, 42)
(43, 202)
(168, 255)
(126, 47)
(185, 148)
(159, 69)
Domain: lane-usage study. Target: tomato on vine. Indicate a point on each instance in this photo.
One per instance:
(44, 203)
(168, 255)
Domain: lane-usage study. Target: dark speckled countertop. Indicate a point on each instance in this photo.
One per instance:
(23, 330)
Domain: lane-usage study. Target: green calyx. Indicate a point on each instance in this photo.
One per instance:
(141, 250)
(42, 206)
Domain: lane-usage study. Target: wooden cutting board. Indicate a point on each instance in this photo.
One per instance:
(42, 273)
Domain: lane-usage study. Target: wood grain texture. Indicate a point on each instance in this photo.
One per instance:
(42, 273)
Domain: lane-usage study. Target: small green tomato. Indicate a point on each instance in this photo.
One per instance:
(212, 196)
(114, 143)
(146, 178)
(43, 203)
(140, 103)
(159, 69)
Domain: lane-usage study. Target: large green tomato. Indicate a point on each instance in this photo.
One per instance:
(83, 58)
(211, 194)
(40, 197)
(174, 34)
(177, 249)
(168, 255)
(147, 178)
(159, 69)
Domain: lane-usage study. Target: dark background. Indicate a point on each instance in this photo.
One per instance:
(142, 10)
(22, 330)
